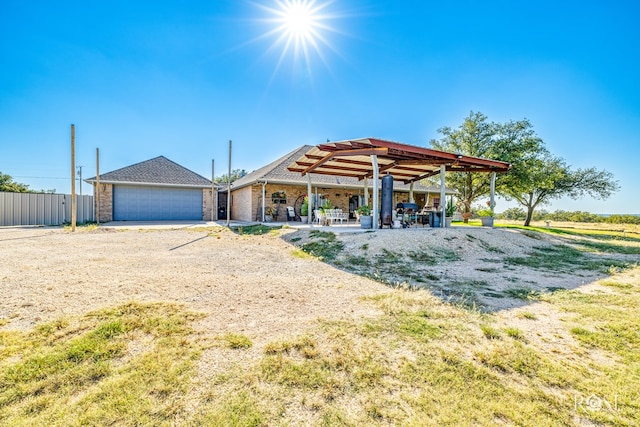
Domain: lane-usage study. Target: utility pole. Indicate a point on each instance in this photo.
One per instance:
(229, 188)
(73, 178)
(96, 192)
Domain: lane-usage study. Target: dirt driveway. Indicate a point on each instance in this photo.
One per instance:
(245, 284)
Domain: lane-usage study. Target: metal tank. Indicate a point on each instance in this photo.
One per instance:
(386, 208)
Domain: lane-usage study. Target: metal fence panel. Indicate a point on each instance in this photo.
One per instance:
(43, 209)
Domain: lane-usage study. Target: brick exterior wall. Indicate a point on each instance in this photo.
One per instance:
(247, 202)
(105, 196)
(241, 208)
(207, 205)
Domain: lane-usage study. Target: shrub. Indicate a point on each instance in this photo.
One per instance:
(364, 210)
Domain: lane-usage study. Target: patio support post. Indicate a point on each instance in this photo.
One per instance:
(376, 183)
(214, 198)
(310, 200)
(492, 202)
(443, 205)
(411, 199)
(264, 193)
(366, 191)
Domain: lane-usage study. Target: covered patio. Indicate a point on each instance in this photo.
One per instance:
(367, 158)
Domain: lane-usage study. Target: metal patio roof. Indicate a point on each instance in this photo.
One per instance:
(406, 163)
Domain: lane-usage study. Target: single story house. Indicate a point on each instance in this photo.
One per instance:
(156, 189)
(281, 187)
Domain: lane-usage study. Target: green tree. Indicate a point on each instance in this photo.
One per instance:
(474, 137)
(514, 142)
(235, 175)
(537, 180)
(8, 184)
(513, 214)
(536, 176)
(623, 219)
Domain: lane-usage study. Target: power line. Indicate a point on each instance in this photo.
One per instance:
(38, 177)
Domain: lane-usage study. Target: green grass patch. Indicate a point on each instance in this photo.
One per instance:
(238, 409)
(564, 259)
(325, 245)
(84, 372)
(357, 261)
(87, 226)
(522, 293)
(236, 341)
(490, 332)
(527, 315)
(255, 230)
(299, 253)
(612, 247)
(433, 256)
(601, 320)
(515, 333)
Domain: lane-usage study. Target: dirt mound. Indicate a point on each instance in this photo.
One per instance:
(490, 268)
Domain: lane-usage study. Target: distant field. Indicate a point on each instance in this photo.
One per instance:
(579, 225)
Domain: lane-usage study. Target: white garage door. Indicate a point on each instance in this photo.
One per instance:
(143, 203)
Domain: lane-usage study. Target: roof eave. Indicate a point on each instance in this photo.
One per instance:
(149, 184)
(330, 185)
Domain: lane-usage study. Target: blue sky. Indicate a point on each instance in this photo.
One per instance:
(147, 78)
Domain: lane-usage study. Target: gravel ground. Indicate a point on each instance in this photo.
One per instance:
(246, 284)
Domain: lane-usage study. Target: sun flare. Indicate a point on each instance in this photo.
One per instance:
(298, 19)
(300, 28)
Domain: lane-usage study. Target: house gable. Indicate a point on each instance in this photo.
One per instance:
(157, 171)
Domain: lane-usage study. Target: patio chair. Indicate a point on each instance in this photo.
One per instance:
(319, 217)
(291, 213)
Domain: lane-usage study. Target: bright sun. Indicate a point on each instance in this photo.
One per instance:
(298, 19)
(299, 27)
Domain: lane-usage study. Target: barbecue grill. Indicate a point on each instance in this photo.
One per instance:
(406, 213)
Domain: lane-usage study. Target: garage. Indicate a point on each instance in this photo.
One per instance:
(138, 203)
(157, 189)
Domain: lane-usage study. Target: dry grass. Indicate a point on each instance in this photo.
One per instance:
(425, 362)
(422, 362)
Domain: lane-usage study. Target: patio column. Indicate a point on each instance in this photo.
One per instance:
(264, 184)
(366, 191)
(492, 202)
(376, 183)
(310, 200)
(443, 205)
(411, 199)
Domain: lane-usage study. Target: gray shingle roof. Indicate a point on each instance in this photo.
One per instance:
(158, 170)
(276, 172)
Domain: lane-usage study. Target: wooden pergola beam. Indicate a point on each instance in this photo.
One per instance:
(346, 153)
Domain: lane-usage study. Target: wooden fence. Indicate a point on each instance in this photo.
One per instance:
(43, 209)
